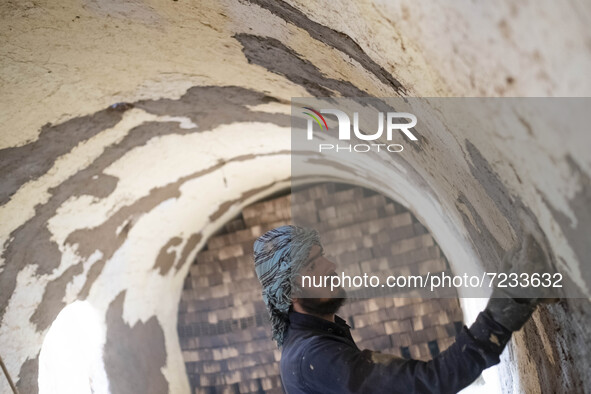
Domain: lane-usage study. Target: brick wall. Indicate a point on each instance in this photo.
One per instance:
(223, 324)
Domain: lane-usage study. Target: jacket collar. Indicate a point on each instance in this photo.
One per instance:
(304, 321)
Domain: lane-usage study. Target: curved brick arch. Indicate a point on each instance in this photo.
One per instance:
(223, 324)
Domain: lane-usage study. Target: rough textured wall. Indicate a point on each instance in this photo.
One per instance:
(129, 127)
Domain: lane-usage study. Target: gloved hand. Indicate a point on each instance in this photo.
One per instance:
(512, 306)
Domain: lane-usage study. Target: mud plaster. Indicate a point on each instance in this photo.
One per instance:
(577, 235)
(314, 30)
(165, 259)
(105, 237)
(27, 377)
(331, 38)
(571, 370)
(244, 196)
(212, 106)
(75, 186)
(134, 356)
(190, 246)
(32, 160)
(31, 242)
(273, 55)
(508, 205)
(485, 243)
(53, 297)
(493, 186)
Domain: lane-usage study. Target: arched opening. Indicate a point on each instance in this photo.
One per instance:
(223, 325)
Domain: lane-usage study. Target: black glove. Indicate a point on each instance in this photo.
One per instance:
(512, 306)
(508, 312)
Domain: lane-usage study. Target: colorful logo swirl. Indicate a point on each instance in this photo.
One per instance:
(316, 118)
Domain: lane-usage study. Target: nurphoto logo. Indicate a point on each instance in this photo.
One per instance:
(392, 120)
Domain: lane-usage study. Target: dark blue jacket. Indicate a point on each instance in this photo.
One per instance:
(321, 357)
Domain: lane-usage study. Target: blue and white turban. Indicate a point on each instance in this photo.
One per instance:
(278, 256)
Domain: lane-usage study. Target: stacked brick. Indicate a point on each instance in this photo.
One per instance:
(223, 324)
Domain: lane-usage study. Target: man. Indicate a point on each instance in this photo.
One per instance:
(320, 356)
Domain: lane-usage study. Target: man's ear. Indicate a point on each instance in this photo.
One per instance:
(296, 290)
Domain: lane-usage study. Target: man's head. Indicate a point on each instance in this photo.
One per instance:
(322, 300)
(282, 256)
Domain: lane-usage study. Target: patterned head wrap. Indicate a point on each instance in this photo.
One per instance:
(278, 256)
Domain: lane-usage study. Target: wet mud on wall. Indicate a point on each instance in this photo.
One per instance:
(117, 143)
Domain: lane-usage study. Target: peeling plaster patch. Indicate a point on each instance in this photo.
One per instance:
(166, 258)
(19, 339)
(578, 235)
(212, 106)
(273, 55)
(103, 237)
(210, 100)
(73, 287)
(494, 187)
(32, 160)
(485, 243)
(93, 272)
(32, 242)
(33, 232)
(188, 249)
(134, 356)
(130, 268)
(123, 229)
(333, 62)
(27, 377)
(53, 298)
(226, 205)
(508, 205)
(465, 212)
(30, 245)
(528, 379)
(546, 349)
(330, 37)
(567, 335)
(39, 190)
(175, 156)
(570, 323)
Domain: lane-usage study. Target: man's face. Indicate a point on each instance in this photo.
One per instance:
(319, 300)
